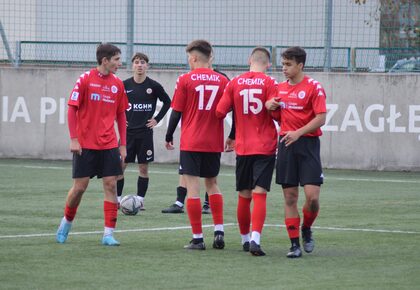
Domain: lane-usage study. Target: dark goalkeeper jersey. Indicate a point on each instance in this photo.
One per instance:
(142, 99)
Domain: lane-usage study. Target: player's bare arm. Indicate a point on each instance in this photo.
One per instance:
(292, 136)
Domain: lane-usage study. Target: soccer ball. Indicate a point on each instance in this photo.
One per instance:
(130, 204)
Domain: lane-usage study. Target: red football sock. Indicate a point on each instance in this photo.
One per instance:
(309, 217)
(110, 214)
(292, 226)
(70, 212)
(194, 214)
(243, 213)
(216, 205)
(259, 211)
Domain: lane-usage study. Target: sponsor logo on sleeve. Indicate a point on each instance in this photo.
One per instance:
(74, 96)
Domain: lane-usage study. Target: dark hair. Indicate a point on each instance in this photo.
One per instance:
(200, 45)
(106, 50)
(140, 56)
(295, 53)
(263, 50)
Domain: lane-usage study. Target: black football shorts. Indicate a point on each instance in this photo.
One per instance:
(253, 170)
(100, 163)
(202, 164)
(300, 163)
(140, 146)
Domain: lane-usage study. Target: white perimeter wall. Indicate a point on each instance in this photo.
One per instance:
(373, 121)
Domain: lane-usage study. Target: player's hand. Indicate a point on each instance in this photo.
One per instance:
(151, 123)
(75, 146)
(290, 138)
(123, 153)
(229, 145)
(272, 104)
(170, 145)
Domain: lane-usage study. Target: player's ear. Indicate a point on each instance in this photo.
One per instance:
(269, 65)
(301, 65)
(105, 60)
(194, 57)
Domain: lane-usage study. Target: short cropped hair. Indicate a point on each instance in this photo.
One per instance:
(202, 46)
(263, 50)
(106, 50)
(295, 53)
(140, 56)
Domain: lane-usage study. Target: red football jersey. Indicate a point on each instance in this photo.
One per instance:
(255, 129)
(196, 96)
(300, 103)
(98, 98)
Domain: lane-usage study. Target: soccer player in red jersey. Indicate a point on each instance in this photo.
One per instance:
(302, 108)
(195, 99)
(181, 190)
(97, 100)
(256, 141)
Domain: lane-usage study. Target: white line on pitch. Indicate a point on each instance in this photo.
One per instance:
(175, 172)
(354, 230)
(208, 226)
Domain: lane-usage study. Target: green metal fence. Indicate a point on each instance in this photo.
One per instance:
(346, 35)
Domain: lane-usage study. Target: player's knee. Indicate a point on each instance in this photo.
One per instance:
(78, 190)
(143, 170)
(313, 203)
(291, 201)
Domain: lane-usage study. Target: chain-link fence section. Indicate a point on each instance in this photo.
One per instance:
(347, 35)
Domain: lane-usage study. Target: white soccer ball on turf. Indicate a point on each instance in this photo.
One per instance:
(130, 204)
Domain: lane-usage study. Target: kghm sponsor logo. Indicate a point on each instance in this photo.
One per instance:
(95, 97)
(142, 107)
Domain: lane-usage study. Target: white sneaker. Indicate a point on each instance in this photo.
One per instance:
(140, 202)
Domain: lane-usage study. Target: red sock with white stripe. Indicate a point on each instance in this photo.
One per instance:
(69, 213)
(243, 214)
(110, 217)
(194, 215)
(258, 215)
(216, 205)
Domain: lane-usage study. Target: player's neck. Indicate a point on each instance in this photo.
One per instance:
(102, 70)
(139, 78)
(297, 78)
(198, 65)
(257, 68)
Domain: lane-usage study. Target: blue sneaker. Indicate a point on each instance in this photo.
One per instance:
(110, 241)
(63, 232)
